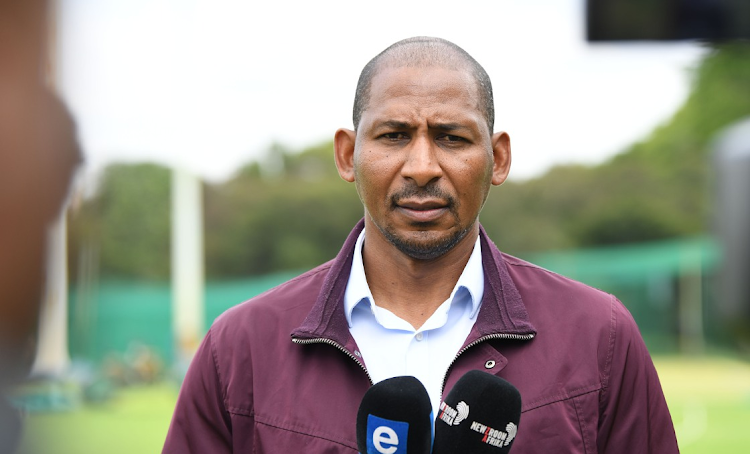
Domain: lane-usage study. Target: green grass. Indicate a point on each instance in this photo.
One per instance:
(709, 398)
(135, 421)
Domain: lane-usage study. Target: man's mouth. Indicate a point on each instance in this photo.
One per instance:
(427, 210)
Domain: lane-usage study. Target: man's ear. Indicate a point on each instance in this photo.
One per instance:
(343, 150)
(501, 156)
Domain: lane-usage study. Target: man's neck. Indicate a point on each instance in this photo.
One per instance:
(411, 288)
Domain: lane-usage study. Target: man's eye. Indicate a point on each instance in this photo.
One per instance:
(451, 138)
(394, 136)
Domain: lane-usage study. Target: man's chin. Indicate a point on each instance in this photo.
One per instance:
(425, 245)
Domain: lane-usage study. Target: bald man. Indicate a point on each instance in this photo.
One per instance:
(419, 289)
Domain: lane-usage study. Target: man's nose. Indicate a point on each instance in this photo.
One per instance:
(421, 162)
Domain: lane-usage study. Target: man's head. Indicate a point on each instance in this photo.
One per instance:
(423, 51)
(423, 155)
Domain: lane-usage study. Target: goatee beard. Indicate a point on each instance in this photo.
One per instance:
(424, 250)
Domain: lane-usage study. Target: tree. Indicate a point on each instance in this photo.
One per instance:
(128, 222)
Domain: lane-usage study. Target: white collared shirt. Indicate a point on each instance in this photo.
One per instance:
(390, 346)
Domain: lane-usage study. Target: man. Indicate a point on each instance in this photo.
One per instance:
(421, 291)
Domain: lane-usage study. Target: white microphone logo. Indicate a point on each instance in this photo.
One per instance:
(512, 430)
(385, 440)
(463, 412)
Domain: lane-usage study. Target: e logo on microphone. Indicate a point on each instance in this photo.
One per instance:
(385, 436)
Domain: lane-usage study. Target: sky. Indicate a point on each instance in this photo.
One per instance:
(209, 85)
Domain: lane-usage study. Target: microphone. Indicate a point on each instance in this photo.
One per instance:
(395, 417)
(480, 415)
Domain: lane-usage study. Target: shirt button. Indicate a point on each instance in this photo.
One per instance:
(419, 336)
(489, 364)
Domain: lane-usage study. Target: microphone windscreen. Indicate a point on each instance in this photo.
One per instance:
(479, 415)
(395, 417)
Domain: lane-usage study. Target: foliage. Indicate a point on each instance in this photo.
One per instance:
(292, 211)
(256, 226)
(127, 222)
(658, 188)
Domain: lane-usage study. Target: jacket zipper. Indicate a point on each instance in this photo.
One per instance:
(442, 386)
(479, 341)
(323, 340)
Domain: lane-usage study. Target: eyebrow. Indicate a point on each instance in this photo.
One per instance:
(394, 124)
(447, 127)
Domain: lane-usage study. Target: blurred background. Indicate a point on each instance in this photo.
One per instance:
(206, 132)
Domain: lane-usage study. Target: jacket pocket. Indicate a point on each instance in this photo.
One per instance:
(566, 426)
(272, 439)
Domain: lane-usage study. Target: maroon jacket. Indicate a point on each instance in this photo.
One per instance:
(586, 379)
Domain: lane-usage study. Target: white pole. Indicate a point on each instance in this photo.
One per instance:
(52, 357)
(187, 265)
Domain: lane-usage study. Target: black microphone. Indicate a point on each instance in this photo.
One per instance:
(395, 417)
(480, 415)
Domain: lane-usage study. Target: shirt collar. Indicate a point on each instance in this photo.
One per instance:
(357, 290)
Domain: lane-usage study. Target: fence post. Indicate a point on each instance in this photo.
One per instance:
(187, 265)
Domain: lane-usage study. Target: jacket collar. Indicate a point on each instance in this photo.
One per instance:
(502, 311)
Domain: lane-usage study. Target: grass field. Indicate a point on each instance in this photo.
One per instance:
(133, 422)
(709, 398)
(710, 403)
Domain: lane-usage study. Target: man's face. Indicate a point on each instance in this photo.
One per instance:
(423, 158)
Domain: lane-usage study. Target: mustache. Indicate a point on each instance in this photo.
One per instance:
(413, 191)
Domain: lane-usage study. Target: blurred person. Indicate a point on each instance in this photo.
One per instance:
(419, 289)
(38, 156)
